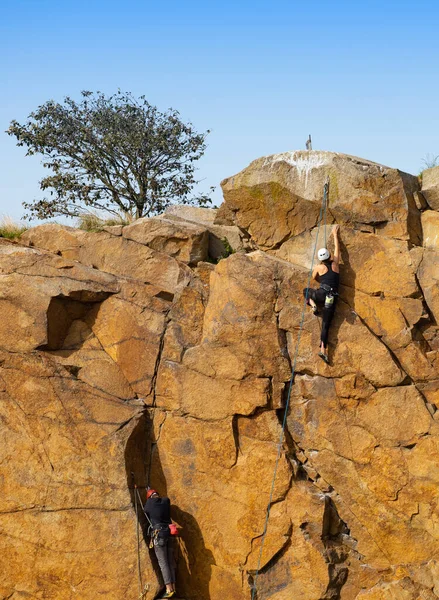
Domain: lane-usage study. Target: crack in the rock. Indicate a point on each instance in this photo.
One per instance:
(44, 509)
(277, 556)
(152, 389)
(391, 352)
(338, 555)
(76, 280)
(235, 431)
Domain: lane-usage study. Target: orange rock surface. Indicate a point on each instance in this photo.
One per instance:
(125, 357)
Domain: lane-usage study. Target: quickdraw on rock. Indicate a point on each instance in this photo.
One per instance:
(145, 590)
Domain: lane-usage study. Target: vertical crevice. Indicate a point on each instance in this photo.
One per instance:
(339, 546)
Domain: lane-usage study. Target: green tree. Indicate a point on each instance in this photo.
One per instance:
(113, 153)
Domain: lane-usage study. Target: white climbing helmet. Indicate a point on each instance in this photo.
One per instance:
(323, 254)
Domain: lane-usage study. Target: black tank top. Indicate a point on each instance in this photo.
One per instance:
(330, 278)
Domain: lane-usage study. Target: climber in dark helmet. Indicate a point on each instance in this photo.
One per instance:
(327, 274)
(158, 510)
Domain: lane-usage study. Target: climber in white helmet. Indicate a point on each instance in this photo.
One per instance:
(327, 274)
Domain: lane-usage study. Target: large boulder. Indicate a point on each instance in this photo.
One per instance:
(280, 196)
(223, 238)
(185, 241)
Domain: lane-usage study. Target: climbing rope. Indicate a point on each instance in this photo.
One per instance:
(139, 568)
(143, 589)
(322, 216)
(325, 208)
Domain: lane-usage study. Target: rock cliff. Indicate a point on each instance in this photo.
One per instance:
(129, 351)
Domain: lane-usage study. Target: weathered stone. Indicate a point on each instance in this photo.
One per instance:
(280, 196)
(221, 515)
(112, 254)
(114, 229)
(430, 333)
(428, 276)
(420, 201)
(430, 229)
(39, 294)
(222, 237)
(59, 239)
(389, 318)
(406, 409)
(65, 492)
(370, 263)
(209, 351)
(418, 364)
(390, 591)
(130, 330)
(430, 187)
(430, 391)
(193, 214)
(185, 241)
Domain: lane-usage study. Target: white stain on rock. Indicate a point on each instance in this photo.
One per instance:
(303, 162)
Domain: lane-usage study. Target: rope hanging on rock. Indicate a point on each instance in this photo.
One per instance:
(325, 208)
(139, 569)
(322, 217)
(143, 589)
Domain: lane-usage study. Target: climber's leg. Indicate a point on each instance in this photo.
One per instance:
(311, 298)
(327, 316)
(167, 567)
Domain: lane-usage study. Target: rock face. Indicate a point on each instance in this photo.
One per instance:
(430, 228)
(221, 236)
(279, 196)
(125, 357)
(430, 187)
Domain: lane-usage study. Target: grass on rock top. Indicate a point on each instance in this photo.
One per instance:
(93, 222)
(10, 229)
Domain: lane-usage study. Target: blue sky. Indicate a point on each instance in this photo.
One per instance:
(361, 77)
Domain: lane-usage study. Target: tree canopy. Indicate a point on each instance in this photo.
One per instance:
(113, 153)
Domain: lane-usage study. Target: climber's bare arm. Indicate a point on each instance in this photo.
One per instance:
(336, 256)
(315, 273)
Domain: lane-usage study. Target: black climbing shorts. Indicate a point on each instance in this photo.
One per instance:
(317, 295)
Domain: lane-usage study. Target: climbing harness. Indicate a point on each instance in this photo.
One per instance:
(322, 217)
(330, 296)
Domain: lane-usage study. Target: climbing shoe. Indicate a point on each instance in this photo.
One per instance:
(324, 357)
(168, 595)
